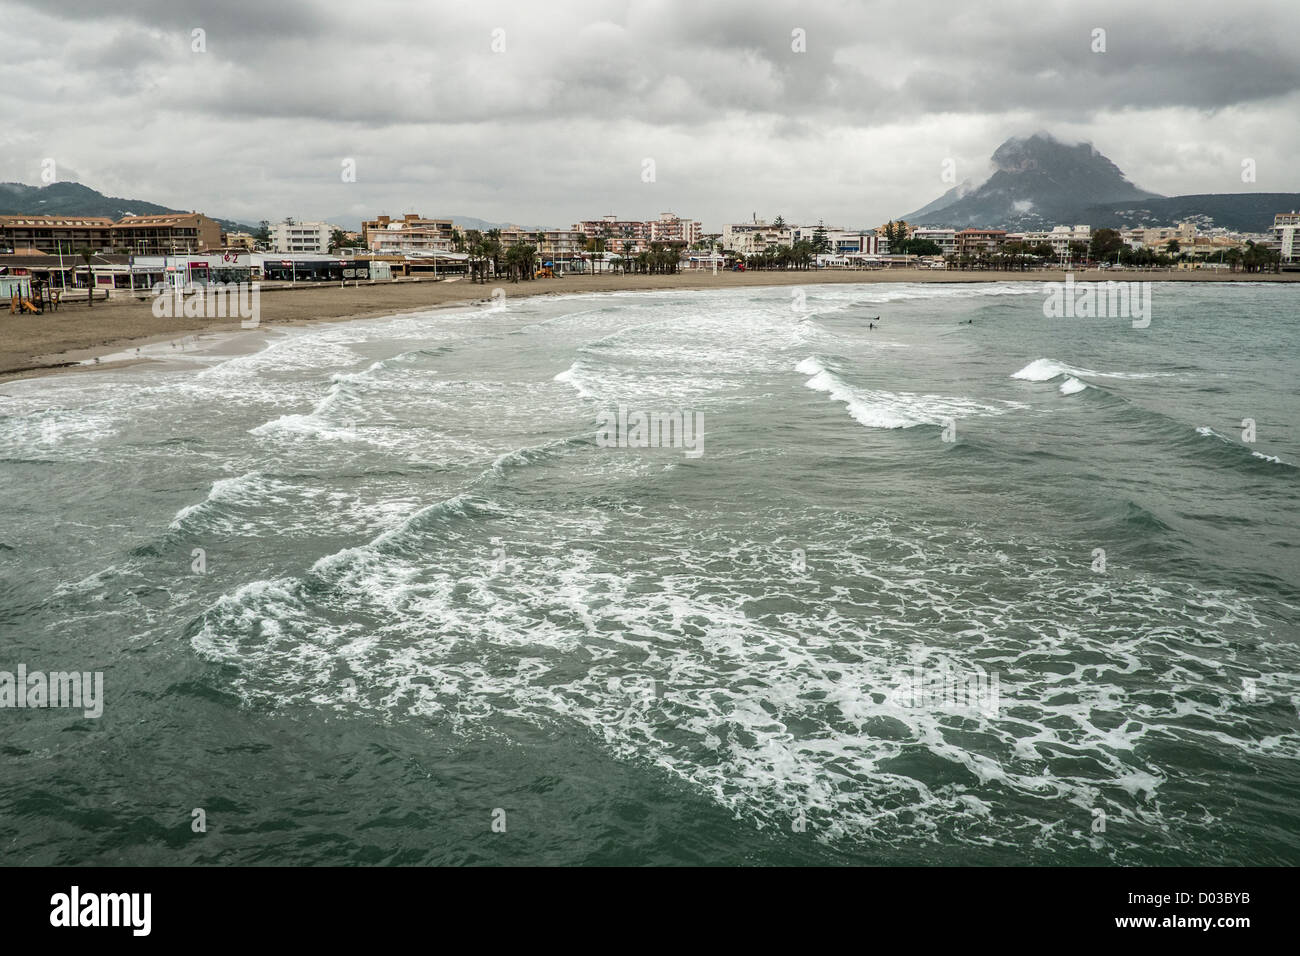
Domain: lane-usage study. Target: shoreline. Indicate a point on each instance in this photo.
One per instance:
(34, 346)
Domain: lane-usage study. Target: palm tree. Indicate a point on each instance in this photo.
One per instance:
(494, 249)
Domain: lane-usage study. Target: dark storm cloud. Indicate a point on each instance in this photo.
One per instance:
(557, 125)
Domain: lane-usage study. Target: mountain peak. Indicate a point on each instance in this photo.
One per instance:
(1038, 181)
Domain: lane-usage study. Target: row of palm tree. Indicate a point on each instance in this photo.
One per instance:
(799, 255)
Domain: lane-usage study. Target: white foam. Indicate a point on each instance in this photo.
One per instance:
(1044, 369)
(1072, 385)
(247, 489)
(575, 377)
(877, 408)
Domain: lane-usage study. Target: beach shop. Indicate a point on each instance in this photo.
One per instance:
(308, 267)
(186, 272)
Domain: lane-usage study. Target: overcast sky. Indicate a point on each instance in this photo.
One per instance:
(558, 125)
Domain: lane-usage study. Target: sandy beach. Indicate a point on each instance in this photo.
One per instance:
(61, 341)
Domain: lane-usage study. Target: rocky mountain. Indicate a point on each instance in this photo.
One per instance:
(74, 199)
(1038, 182)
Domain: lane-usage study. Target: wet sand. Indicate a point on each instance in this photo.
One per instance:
(60, 341)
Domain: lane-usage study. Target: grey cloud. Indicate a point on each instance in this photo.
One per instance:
(558, 123)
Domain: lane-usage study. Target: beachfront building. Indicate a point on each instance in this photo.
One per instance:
(842, 242)
(628, 236)
(48, 234)
(975, 242)
(559, 248)
(1159, 236)
(672, 228)
(411, 233)
(632, 236)
(1285, 227)
(1058, 237)
(294, 236)
(138, 235)
(945, 239)
(167, 234)
(756, 236)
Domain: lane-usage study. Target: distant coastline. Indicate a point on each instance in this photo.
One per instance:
(60, 341)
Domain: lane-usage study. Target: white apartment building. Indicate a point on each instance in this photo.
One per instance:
(634, 235)
(410, 234)
(945, 239)
(748, 238)
(672, 228)
(1285, 227)
(290, 236)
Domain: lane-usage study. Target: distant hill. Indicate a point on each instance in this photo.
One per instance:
(74, 199)
(1239, 212)
(1038, 182)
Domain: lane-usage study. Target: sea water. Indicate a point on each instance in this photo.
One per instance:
(973, 586)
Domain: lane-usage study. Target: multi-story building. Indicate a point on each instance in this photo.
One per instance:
(293, 236)
(408, 234)
(972, 242)
(633, 235)
(553, 245)
(50, 234)
(619, 234)
(945, 239)
(167, 234)
(1285, 227)
(749, 238)
(138, 235)
(843, 242)
(239, 240)
(672, 228)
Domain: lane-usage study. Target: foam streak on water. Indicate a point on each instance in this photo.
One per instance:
(428, 585)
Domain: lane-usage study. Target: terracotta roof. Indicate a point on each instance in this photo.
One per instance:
(166, 219)
(100, 221)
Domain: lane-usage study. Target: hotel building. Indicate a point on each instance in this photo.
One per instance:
(290, 236)
(408, 234)
(169, 233)
(1285, 227)
(973, 242)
